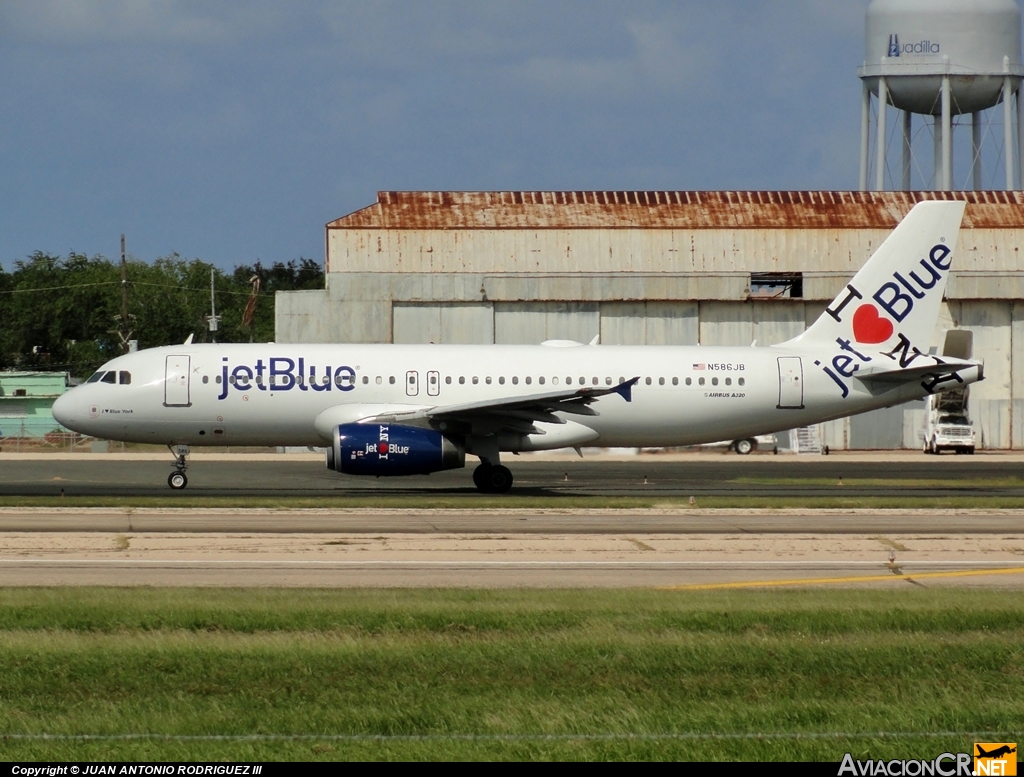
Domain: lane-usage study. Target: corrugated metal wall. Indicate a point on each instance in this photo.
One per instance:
(985, 256)
(449, 323)
(991, 399)
(535, 322)
(302, 317)
(877, 429)
(649, 323)
(1016, 374)
(767, 322)
(618, 323)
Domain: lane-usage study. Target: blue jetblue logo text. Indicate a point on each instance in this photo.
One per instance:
(280, 373)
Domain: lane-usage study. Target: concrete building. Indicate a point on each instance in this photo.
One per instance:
(687, 268)
(26, 403)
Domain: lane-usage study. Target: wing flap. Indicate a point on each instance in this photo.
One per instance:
(513, 413)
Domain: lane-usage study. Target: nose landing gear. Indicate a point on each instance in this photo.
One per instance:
(177, 479)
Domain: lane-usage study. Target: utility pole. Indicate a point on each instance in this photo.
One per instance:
(123, 320)
(213, 319)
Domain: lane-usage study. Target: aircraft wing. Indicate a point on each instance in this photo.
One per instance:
(516, 414)
(936, 365)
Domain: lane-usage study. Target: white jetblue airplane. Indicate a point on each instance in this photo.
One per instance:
(415, 409)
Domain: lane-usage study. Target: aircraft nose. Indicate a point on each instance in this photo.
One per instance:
(64, 410)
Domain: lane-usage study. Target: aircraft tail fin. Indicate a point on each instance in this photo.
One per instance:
(896, 294)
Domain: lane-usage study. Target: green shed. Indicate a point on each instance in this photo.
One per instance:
(26, 403)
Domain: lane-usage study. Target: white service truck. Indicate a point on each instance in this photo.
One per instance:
(947, 425)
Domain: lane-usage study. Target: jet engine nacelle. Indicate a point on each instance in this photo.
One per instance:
(389, 449)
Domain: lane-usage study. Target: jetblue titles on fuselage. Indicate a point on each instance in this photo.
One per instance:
(281, 373)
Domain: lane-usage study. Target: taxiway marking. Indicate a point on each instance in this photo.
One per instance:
(853, 579)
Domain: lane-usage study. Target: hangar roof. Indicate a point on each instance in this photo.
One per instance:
(670, 210)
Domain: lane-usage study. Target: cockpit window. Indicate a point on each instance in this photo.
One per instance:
(95, 376)
(124, 377)
(109, 377)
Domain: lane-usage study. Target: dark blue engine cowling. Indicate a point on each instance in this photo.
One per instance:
(389, 449)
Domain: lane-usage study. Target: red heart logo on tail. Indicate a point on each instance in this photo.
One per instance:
(869, 327)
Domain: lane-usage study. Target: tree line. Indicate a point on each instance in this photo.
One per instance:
(64, 312)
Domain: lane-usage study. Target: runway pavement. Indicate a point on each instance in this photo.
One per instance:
(680, 546)
(698, 475)
(582, 548)
(682, 520)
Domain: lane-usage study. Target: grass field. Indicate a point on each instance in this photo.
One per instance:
(579, 674)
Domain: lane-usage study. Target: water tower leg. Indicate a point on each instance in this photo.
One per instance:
(947, 137)
(906, 150)
(883, 101)
(976, 150)
(937, 153)
(1020, 134)
(865, 129)
(1008, 130)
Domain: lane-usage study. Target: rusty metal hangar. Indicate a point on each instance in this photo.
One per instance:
(676, 267)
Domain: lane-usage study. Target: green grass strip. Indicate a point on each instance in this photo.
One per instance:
(567, 674)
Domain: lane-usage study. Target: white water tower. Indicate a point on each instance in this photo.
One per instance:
(940, 59)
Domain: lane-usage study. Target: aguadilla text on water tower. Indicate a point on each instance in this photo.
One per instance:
(943, 59)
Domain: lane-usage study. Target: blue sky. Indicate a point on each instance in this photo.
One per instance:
(232, 131)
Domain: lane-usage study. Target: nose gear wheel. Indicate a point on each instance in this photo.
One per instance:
(177, 479)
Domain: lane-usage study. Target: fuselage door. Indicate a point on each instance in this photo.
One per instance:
(176, 374)
(412, 383)
(433, 383)
(791, 382)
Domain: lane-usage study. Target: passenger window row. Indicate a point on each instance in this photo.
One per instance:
(569, 381)
(347, 380)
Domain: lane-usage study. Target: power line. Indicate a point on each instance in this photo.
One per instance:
(117, 283)
(57, 288)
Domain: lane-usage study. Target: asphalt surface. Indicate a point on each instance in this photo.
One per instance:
(712, 475)
(595, 522)
(513, 547)
(684, 547)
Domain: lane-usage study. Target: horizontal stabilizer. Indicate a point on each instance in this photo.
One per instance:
(935, 366)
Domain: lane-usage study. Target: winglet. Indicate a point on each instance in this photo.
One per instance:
(625, 389)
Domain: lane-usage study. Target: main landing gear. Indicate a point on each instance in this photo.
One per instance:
(177, 479)
(492, 479)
